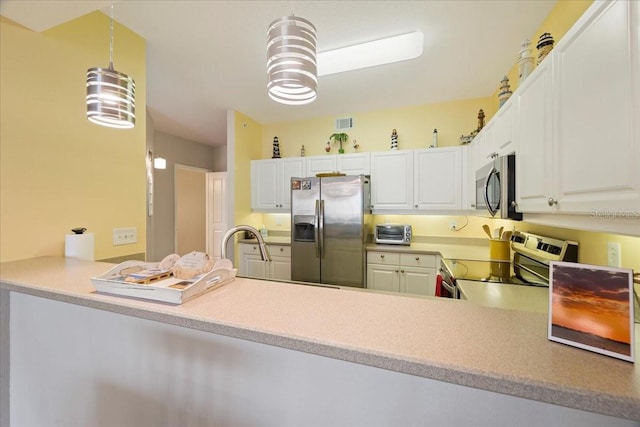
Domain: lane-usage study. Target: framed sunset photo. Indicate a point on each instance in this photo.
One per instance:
(591, 307)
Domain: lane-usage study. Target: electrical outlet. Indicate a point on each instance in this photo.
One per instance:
(614, 257)
(125, 236)
(453, 226)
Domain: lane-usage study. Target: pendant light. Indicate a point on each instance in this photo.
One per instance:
(111, 94)
(291, 61)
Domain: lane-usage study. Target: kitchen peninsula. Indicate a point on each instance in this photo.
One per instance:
(257, 352)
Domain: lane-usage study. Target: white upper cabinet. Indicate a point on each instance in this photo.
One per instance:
(533, 135)
(483, 146)
(438, 175)
(348, 164)
(354, 164)
(320, 164)
(271, 183)
(505, 118)
(578, 119)
(597, 136)
(392, 180)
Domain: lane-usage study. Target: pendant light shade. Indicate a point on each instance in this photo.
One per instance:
(291, 61)
(111, 94)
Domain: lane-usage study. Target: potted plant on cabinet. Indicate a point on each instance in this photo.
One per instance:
(340, 138)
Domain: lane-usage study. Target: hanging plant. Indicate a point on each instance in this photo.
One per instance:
(340, 138)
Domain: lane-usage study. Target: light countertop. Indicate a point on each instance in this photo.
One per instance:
(512, 297)
(504, 351)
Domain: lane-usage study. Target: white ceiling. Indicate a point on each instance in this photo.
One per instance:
(205, 57)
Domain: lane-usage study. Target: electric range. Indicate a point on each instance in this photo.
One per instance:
(529, 265)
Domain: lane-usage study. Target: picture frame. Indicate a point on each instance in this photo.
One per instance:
(591, 307)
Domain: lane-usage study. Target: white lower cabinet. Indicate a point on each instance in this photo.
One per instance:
(402, 272)
(252, 265)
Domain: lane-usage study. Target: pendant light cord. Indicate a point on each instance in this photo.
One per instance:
(111, 41)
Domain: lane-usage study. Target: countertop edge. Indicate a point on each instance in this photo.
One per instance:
(597, 402)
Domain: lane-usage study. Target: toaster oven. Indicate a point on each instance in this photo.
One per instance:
(393, 234)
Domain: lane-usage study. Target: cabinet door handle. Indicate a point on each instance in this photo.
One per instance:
(552, 201)
(402, 271)
(417, 258)
(396, 271)
(415, 206)
(381, 256)
(281, 249)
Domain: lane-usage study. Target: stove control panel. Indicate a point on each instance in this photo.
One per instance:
(544, 248)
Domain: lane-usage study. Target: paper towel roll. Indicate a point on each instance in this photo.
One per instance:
(80, 246)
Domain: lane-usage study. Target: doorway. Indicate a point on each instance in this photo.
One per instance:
(190, 209)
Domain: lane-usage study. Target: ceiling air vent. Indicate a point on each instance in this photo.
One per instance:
(344, 124)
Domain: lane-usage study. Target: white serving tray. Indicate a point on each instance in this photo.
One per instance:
(163, 290)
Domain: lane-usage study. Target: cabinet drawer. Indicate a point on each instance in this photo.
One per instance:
(250, 248)
(418, 260)
(383, 258)
(279, 250)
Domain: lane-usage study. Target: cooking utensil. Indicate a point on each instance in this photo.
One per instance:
(487, 230)
(499, 234)
(507, 235)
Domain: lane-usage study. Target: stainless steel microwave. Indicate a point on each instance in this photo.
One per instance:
(496, 188)
(393, 234)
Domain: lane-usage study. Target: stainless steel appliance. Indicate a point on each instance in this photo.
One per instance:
(496, 188)
(393, 234)
(330, 226)
(530, 264)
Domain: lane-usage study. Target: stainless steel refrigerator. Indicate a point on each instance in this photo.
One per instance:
(330, 227)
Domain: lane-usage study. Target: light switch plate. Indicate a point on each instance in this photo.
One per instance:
(125, 236)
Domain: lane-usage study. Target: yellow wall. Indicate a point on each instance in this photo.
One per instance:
(415, 126)
(561, 18)
(247, 147)
(58, 170)
(372, 129)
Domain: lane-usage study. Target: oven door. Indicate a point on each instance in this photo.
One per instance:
(488, 189)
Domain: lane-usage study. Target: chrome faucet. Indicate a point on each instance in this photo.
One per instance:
(250, 229)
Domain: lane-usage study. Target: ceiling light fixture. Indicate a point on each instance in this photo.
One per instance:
(291, 61)
(370, 54)
(111, 94)
(159, 163)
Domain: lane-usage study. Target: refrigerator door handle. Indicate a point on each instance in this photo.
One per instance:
(316, 233)
(321, 228)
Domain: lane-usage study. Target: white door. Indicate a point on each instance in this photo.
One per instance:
(216, 212)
